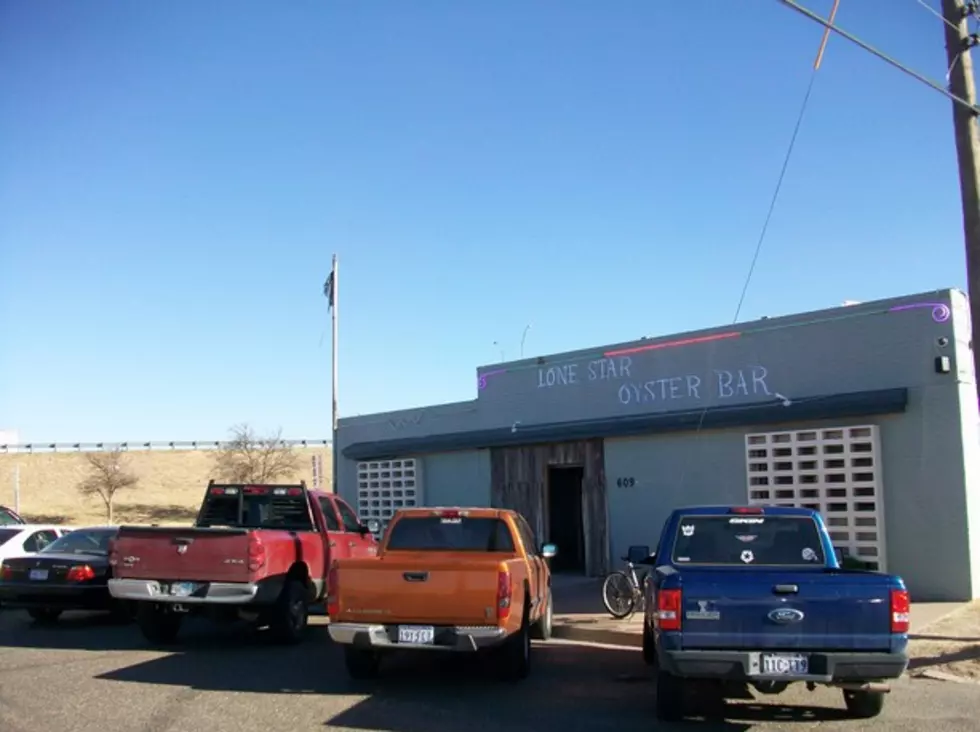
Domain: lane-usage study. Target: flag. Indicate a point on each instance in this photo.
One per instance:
(328, 290)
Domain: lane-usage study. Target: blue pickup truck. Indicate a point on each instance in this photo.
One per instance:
(755, 597)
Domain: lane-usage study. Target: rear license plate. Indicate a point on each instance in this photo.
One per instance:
(182, 589)
(784, 664)
(38, 574)
(417, 634)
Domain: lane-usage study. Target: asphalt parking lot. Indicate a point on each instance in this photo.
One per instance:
(86, 675)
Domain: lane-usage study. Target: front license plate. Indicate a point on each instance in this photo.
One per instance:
(182, 589)
(417, 634)
(784, 664)
(38, 574)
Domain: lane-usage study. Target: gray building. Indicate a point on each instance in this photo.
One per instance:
(867, 412)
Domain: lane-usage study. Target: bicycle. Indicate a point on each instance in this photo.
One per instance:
(622, 593)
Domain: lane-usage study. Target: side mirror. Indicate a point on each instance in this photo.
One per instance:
(373, 526)
(548, 551)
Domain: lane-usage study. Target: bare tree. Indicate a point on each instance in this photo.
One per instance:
(248, 458)
(108, 474)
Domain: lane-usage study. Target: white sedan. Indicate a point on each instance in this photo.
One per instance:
(19, 539)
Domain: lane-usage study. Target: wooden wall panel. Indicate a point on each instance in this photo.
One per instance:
(519, 477)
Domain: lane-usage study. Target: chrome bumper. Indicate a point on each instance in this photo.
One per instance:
(211, 593)
(447, 638)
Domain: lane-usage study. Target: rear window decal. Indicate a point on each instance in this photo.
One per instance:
(746, 538)
(809, 555)
(683, 559)
(746, 520)
(687, 530)
(747, 556)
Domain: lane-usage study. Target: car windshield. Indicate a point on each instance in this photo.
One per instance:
(748, 540)
(82, 541)
(435, 533)
(8, 534)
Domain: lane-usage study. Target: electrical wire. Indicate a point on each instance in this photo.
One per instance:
(775, 193)
(939, 15)
(875, 52)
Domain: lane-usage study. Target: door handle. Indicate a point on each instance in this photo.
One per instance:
(786, 589)
(415, 576)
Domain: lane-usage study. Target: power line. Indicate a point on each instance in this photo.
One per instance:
(775, 193)
(874, 51)
(935, 12)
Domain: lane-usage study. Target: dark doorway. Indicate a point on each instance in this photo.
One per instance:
(565, 525)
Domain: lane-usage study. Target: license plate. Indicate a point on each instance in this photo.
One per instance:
(38, 574)
(182, 589)
(784, 664)
(417, 634)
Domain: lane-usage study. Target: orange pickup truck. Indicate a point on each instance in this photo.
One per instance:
(444, 579)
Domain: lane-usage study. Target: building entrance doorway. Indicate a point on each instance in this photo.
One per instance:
(565, 525)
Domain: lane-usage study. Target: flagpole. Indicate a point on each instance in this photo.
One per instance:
(333, 368)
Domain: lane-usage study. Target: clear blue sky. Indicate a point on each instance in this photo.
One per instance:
(174, 178)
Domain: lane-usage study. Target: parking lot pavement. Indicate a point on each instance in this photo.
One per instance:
(86, 675)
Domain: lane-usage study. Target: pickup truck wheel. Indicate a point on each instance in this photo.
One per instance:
(649, 646)
(514, 659)
(864, 704)
(158, 625)
(670, 697)
(44, 615)
(362, 664)
(545, 625)
(290, 616)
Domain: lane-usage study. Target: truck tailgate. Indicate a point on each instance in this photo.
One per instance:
(419, 587)
(840, 610)
(176, 553)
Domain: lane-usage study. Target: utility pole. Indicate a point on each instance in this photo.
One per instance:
(959, 41)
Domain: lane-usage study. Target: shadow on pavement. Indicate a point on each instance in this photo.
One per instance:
(968, 653)
(571, 686)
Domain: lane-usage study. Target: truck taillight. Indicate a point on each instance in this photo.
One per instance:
(113, 554)
(504, 593)
(256, 553)
(80, 573)
(333, 596)
(669, 609)
(6, 571)
(900, 607)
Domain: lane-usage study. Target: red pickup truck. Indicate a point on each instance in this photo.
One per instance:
(259, 553)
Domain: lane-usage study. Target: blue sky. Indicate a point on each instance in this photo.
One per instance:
(175, 177)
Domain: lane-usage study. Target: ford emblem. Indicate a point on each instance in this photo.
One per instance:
(785, 615)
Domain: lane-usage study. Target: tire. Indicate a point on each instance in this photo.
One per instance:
(362, 664)
(649, 646)
(614, 597)
(670, 697)
(544, 628)
(44, 615)
(864, 704)
(514, 656)
(291, 614)
(158, 625)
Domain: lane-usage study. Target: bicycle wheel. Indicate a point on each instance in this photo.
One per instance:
(617, 594)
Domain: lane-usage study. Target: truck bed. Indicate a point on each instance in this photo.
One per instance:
(184, 553)
(834, 610)
(419, 587)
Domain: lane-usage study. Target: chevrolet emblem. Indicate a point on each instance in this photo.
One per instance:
(182, 549)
